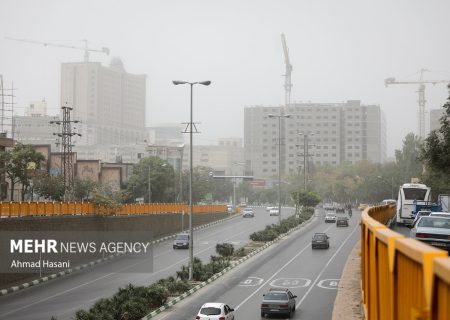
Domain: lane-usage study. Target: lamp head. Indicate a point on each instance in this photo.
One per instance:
(177, 82)
(287, 116)
(271, 115)
(205, 83)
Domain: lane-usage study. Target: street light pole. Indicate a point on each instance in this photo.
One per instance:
(305, 156)
(279, 159)
(191, 127)
(149, 183)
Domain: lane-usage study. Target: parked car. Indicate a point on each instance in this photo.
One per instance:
(434, 231)
(274, 212)
(230, 208)
(215, 311)
(248, 213)
(330, 217)
(320, 240)
(181, 241)
(268, 208)
(342, 222)
(278, 301)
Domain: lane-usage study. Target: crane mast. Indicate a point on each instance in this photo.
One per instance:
(288, 72)
(421, 92)
(85, 48)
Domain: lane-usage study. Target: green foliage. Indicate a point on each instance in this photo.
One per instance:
(274, 230)
(16, 163)
(49, 187)
(225, 250)
(161, 176)
(306, 198)
(83, 188)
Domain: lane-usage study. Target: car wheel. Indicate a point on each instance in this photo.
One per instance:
(262, 314)
(174, 247)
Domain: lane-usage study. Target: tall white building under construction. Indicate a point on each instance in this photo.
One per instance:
(337, 132)
(109, 102)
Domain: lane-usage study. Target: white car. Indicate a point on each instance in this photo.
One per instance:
(274, 212)
(248, 213)
(269, 208)
(215, 311)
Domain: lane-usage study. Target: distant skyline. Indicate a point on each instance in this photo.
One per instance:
(340, 50)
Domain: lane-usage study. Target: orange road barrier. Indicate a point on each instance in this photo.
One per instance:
(25, 209)
(401, 278)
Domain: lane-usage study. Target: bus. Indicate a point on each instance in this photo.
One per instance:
(407, 193)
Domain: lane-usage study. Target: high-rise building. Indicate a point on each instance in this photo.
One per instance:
(435, 117)
(109, 102)
(165, 134)
(225, 158)
(336, 132)
(36, 108)
(36, 129)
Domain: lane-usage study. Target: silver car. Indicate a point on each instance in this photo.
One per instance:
(434, 231)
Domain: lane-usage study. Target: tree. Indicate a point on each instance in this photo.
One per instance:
(306, 198)
(19, 163)
(436, 149)
(161, 176)
(83, 188)
(408, 162)
(50, 187)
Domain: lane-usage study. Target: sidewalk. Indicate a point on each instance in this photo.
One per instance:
(348, 300)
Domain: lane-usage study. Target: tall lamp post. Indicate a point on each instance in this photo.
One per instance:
(191, 127)
(279, 116)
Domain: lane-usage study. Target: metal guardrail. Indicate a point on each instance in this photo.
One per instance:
(27, 209)
(401, 278)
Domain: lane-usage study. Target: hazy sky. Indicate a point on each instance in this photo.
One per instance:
(340, 50)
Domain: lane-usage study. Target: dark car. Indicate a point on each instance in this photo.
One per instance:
(181, 241)
(320, 240)
(342, 222)
(278, 301)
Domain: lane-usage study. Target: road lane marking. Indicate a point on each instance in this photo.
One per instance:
(276, 273)
(251, 282)
(330, 284)
(290, 282)
(326, 265)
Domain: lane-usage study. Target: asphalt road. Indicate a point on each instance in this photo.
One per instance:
(62, 297)
(312, 275)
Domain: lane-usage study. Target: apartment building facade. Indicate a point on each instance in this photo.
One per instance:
(108, 101)
(333, 132)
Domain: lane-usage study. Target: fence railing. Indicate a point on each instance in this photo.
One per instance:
(401, 278)
(27, 209)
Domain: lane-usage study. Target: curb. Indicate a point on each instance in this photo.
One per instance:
(221, 273)
(25, 285)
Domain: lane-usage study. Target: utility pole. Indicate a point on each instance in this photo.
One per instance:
(66, 135)
(305, 155)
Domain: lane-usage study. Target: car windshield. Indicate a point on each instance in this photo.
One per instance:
(320, 237)
(434, 222)
(182, 237)
(276, 296)
(210, 311)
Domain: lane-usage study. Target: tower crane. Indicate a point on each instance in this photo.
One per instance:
(85, 48)
(287, 75)
(421, 91)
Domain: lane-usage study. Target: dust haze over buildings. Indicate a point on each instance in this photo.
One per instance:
(340, 50)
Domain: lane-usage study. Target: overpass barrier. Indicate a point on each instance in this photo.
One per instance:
(401, 278)
(29, 209)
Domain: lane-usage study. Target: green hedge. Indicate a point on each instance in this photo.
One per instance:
(274, 230)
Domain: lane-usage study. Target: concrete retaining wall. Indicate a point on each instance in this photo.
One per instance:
(159, 225)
